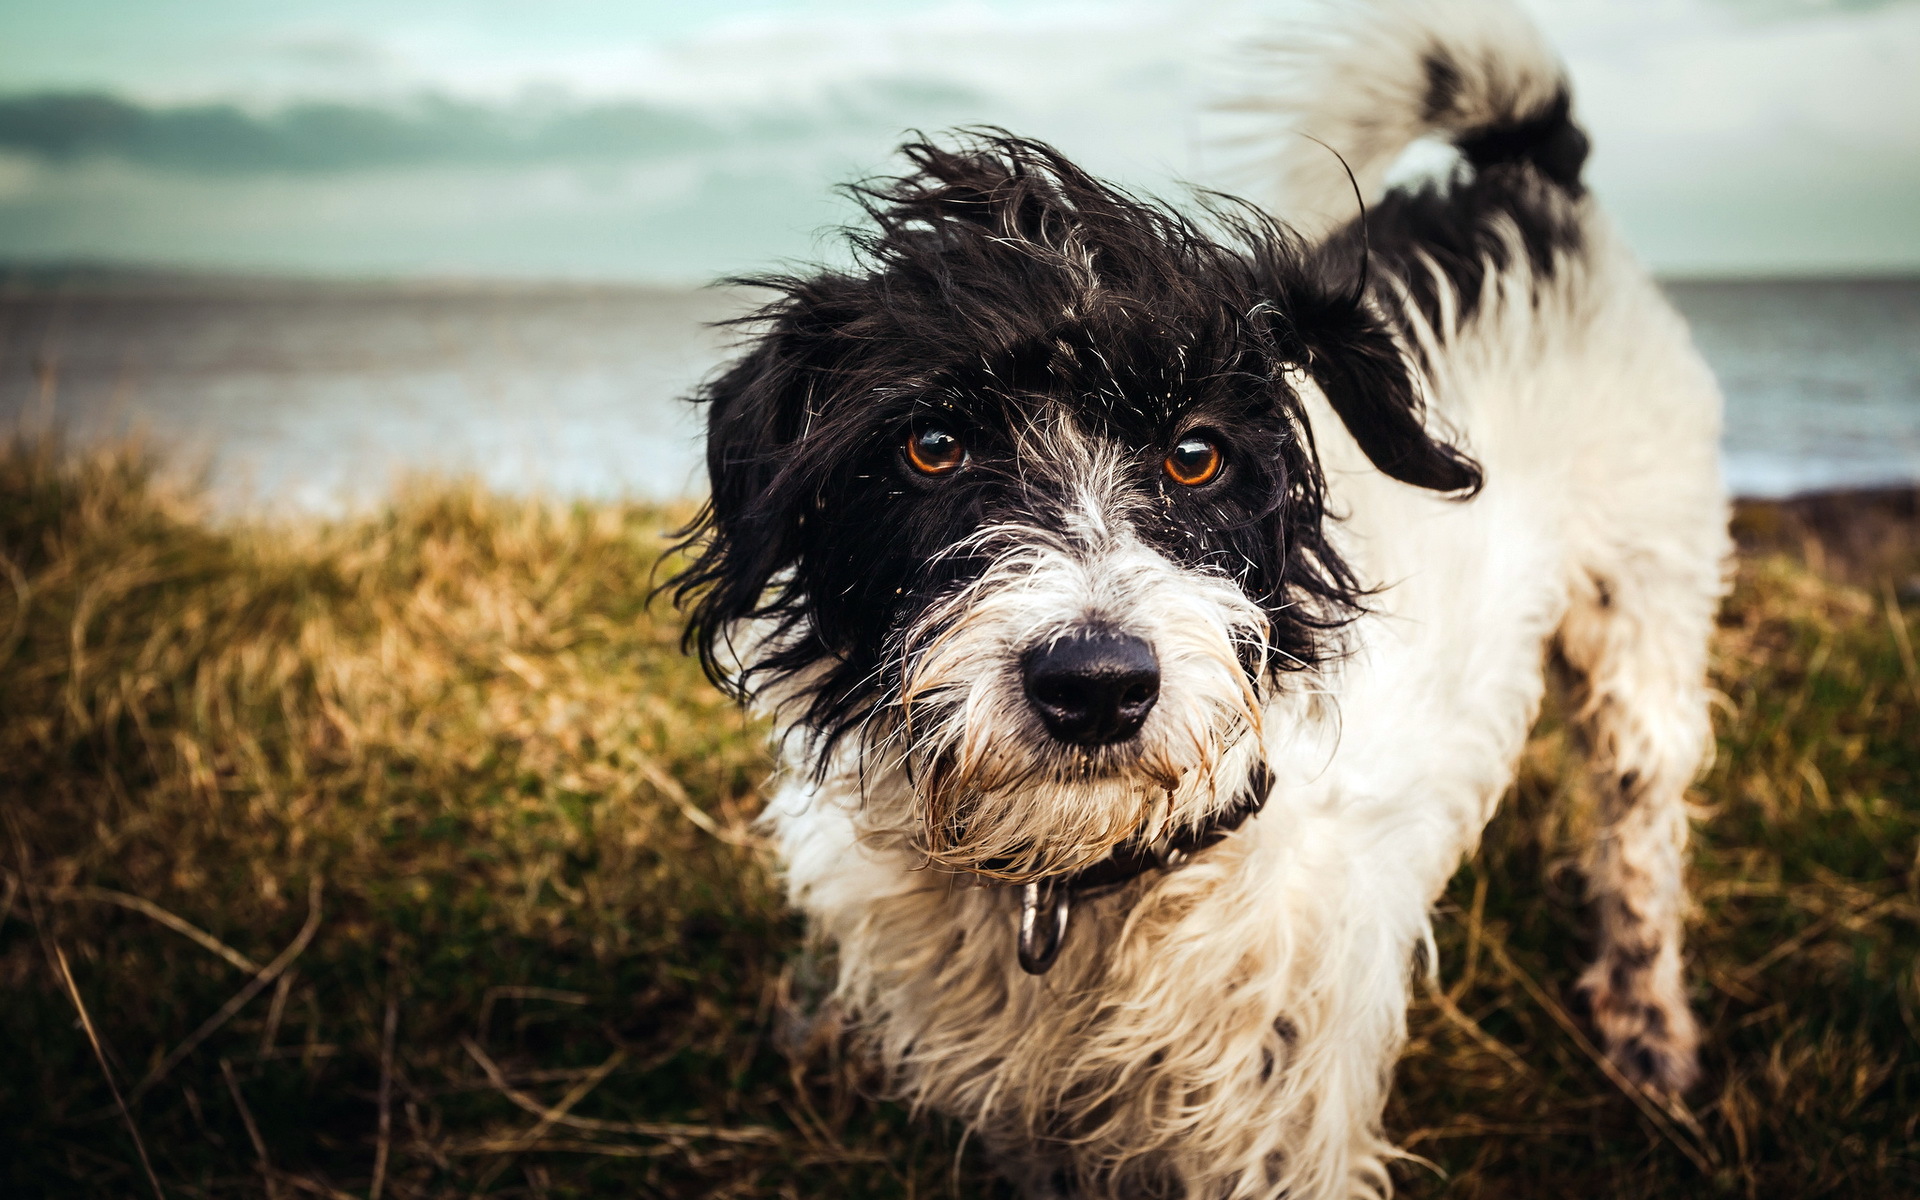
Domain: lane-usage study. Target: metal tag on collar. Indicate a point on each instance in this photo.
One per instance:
(1045, 907)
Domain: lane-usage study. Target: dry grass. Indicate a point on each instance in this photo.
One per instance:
(408, 857)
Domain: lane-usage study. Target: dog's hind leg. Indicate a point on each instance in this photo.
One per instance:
(1636, 639)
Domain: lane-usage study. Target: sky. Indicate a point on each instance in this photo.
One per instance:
(672, 142)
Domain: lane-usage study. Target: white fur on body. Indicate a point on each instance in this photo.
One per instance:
(1230, 1028)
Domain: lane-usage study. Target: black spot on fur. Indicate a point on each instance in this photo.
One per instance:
(1523, 173)
(1457, 228)
(997, 288)
(1625, 964)
(1443, 86)
(1580, 1002)
(1635, 958)
(1548, 141)
(1617, 914)
(1620, 977)
(1641, 1061)
(1655, 1019)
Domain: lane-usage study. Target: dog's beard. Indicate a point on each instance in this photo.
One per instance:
(996, 793)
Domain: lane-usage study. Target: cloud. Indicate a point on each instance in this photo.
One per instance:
(1731, 135)
(328, 136)
(430, 131)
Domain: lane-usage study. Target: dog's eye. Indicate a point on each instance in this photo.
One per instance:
(1194, 460)
(935, 450)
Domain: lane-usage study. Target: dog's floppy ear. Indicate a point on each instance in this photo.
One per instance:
(1353, 356)
(749, 532)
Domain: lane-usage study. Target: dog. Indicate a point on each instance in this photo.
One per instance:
(1152, 605)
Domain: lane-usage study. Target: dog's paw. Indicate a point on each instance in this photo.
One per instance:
(1645, 1023)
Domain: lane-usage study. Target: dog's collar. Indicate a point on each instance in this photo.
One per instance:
(1046, 905)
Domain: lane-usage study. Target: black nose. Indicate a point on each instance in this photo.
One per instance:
(1092, 689)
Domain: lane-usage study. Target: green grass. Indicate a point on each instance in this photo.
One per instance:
(447, 767)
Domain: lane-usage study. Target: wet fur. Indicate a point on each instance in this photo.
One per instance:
(1348, 605)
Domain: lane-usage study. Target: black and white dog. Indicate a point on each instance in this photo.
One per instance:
(1153, 607)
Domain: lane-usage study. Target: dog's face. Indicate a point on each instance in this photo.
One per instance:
(1027, 509)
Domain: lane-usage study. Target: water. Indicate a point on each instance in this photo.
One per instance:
(318, 397)
(1822, 380)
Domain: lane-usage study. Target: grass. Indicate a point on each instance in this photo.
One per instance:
(406, 856)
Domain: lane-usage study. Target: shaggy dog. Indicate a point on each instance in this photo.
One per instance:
(1152, 608)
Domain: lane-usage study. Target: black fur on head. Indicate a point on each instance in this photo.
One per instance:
(997, 284)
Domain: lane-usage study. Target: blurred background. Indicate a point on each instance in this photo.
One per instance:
(315, 244)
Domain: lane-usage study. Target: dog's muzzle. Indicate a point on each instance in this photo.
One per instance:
(1092, 688)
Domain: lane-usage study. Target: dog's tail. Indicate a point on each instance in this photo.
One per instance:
(1361, 80)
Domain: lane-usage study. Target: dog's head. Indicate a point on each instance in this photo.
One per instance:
(1025, 506)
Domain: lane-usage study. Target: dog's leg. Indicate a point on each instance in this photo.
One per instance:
(1637, 644)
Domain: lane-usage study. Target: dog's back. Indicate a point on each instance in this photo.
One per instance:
(1552, 356)
(1600, 534)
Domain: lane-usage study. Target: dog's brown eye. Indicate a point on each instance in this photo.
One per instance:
(1194, 460)
(934, 450)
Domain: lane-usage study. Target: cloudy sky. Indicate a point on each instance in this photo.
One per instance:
(669, 141)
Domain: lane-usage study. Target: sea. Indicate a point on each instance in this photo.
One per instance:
(322, 396)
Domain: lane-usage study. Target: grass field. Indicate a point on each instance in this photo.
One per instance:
(406, 856)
